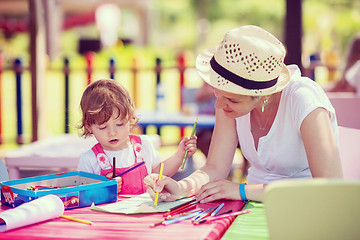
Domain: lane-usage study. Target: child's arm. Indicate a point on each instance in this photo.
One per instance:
(173, 163)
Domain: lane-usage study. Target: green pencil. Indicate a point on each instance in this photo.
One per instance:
(186, 153)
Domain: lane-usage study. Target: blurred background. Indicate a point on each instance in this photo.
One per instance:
(51, 49)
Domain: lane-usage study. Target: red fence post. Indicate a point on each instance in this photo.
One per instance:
(1, 70)
(181, 67)
(89, 56)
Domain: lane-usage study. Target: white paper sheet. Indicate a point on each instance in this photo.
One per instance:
(38, 210)
(139, 204)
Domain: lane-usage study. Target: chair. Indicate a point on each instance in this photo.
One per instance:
(313, 209)
(347, 106)
(4, 175)
(350, 152)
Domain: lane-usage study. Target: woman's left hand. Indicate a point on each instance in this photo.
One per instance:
(218, 189)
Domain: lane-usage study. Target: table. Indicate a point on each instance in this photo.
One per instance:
(159, 119)
(118, 226)
(63, 151)
(249, 226)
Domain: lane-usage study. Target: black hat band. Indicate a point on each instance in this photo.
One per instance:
(243, 82)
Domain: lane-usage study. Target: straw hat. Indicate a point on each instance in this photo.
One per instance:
(248, 61)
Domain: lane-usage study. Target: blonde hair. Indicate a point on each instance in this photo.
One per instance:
(99, 100)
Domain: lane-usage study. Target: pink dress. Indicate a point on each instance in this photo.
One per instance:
(132, 182)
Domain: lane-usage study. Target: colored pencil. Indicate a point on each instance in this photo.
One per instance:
(187, 209)
(217, 210)
(160, 176)
(210, 219)
(184, 213)
(205, 213)
(181, 218)
(114, 167)
(185, 203)
(130, 169)
(205, 219)
(176, 216)
(179, 208)
(187, 152)
(76, 219)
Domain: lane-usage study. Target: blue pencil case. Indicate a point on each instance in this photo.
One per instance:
(76, 189)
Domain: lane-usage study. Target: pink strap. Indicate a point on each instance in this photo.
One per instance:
(136, 143)
(104, 161)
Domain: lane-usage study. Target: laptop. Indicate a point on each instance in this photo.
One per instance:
(313, 209)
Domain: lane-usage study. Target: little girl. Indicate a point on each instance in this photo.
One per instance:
(108, 113)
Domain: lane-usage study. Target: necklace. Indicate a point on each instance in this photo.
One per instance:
(263, 127)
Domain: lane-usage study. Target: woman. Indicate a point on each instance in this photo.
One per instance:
(284, 123)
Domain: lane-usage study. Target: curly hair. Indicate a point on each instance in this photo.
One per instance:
(100, 99)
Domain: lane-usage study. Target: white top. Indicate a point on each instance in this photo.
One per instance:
(352, 75)
(124, 158)
(281, 153)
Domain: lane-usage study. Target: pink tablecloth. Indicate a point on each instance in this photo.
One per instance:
(118, 226)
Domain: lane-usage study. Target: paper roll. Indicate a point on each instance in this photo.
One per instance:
(38, 210)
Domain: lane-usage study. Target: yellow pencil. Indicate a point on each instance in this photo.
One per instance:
(187, 152)
(160, 175)
(76, 219)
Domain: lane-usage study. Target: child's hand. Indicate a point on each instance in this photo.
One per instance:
(118, 179)
(119, 183)
(188, 144)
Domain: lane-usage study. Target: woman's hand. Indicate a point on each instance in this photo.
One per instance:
(118, 179)
(167, 187)
(218, 189)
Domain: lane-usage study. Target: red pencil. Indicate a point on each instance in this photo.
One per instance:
(184, 213)
(187, 209)
(179, 208)
(205, 214)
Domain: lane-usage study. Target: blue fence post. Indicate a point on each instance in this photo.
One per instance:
(18, 68)
(66, 73)
(160, 94)
(112, 68)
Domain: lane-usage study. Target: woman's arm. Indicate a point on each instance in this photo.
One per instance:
(320, 145)
(217, 166)
(221, 154)
(322, 153)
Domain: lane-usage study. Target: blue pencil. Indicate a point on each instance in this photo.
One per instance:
(217, 209)
(181, 218)
(203, 214)
(130, 169)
